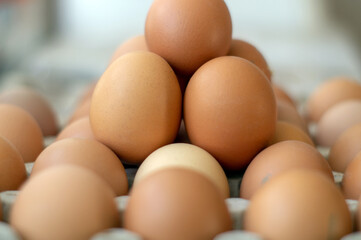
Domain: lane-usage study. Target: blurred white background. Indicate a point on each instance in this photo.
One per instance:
(57, 43)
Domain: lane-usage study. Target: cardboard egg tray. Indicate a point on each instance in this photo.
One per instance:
(236, 206)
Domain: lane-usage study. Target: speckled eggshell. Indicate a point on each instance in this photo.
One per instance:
(230, 110)
(176, 203)
(345, 148)
(243, 49)
(186, 156)
(299, 204)
(188, 33)
(279, 158)
(336, 120)
(22, 130)
(79, 128)
(136, 106)
(329, 93)
(87, 153)
(12, 168)
(66, 202)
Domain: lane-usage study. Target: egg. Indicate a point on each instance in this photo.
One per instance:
(288, 131)
(345, 148)
(336, 120)
(176, 203)
(136, 43)
(82, 110)
(243, 49)
(136, 106)
(230, 110)
(188, 33)
(35, 104)
(21, 129)
(299, 204)
(288, 113)
(329, 93)
(67, 202)
(351, 181)
(79, 128)
(12, 168)
(185, 156)
(87, 153)
(279, 158)
(282, 95)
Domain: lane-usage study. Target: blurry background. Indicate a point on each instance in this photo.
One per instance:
(59, 46)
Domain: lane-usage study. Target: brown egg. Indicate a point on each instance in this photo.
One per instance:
(288, 113)
(243, 49)
(12, 168)
(88, 93)
(329, 93)
(298, 204)
(345, 148)
(185, 156)
(66, 202)
(351, 181)
(183, 202)
(35, 104)
(230, 110)
(336, 120)
(21, 129)
(136, 106)
(87, 153)
(81, 111)
(79, 128)
(137, 43)
(188, 33)
(279, 158)
(288, 131)
(282, 95)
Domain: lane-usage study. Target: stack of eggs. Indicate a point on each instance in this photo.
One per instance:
(187, 106)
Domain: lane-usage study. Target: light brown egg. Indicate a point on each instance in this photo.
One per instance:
(299, 204)
(230, 110)
(12, 168)
(243, 49)
(21, 129)
(279, 158)
(188, 33)
(66, 202)
(351, 181)
(336, 120)
(35, 104)
(345, 148)
(83, 110)
(329, 93)
(176, 204)
(86, 153)
(185, 156)
(282, 95)
(288, 113)
(136, 43)
(79, 128)
(288, 131)
(136, 106)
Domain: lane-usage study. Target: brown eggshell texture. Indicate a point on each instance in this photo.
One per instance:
(136, 43)
(288, 113)
(188, 33)
(299, 204)
(136, 106)
(279, 158)
(87, 153)
(230, 110)
(79, 128)
(66, 202)
(183, 202)
(288, 131)
(351, 182)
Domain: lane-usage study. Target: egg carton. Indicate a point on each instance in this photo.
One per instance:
(236, 207)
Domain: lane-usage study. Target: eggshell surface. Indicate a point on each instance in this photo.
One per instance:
(230, 110)
(351, 182)
(188, 33)
(186, 156)
(288, 131)
(176, 204)
(136, 106)
(299, 204)
(67, 202)
(136, 43)
(80, 128)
